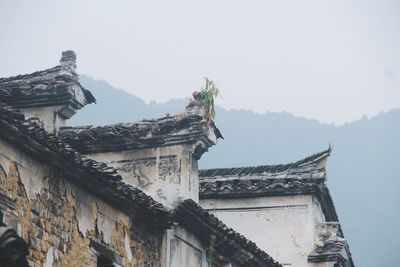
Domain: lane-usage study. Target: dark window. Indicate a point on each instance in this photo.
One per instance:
(104, 262)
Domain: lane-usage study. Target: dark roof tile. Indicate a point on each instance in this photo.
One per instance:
(265, 169)
(53, 86)
(166, 131)
(96, 177)
(229, 243)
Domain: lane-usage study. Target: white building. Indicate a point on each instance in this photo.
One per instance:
(131, 194)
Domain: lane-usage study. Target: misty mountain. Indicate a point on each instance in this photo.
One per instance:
(363, 172)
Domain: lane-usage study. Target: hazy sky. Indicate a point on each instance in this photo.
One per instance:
(330, 60)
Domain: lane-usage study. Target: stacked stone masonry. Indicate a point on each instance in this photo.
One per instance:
(49, 222)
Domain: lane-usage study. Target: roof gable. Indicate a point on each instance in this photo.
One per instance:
(58, 85)
(96, 177)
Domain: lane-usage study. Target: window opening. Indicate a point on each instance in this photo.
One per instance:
(103, 261)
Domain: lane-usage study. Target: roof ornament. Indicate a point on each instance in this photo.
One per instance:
(328, 244)
(204, 100)
(68, 60)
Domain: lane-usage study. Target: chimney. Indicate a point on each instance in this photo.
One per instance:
(68, 61)
(52, 95)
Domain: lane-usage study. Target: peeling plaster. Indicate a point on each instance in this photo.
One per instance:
(49, 258)
(32, 179)
(61, 218)
(127, 247)
(30, 176)
(86, 222)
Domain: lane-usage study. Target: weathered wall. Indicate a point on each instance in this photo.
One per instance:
(168, 174)
(48, 116)
(183, 249)
(282, 226)
(60, 220)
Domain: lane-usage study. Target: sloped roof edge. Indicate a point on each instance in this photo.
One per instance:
(29, 136)
(262, 169)
(228, 242)
(52, 86)
(166, 131)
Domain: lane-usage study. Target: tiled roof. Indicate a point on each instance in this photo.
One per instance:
(306, 176)
(166, 131)
(228, 242)
(303, 177)
(105, 182)
(270, 187)
(96, 177)
(54, 86)
(303, 164)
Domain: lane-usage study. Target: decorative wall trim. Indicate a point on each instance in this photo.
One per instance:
(329, 245)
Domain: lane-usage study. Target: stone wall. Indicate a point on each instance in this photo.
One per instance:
(63, 224)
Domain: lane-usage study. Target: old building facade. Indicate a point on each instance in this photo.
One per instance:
(289, 204)
(131, 194)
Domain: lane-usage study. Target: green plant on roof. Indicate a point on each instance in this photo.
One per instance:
(208, 94)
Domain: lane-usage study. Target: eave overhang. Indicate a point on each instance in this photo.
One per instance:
(57, 86)
(167, 131)
(303, 177)
(95, 177)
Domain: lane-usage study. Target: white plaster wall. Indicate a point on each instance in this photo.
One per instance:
(78, 94)
(324, 264)
(283, 226)
(168, 174)
(47, 115)
(183, 249)
(91, 211)
(31, 170)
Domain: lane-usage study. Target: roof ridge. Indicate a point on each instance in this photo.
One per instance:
(53, 86)
(182, 128)
(35, 73)
(259, 169)
(143, 121)
(97, 171)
